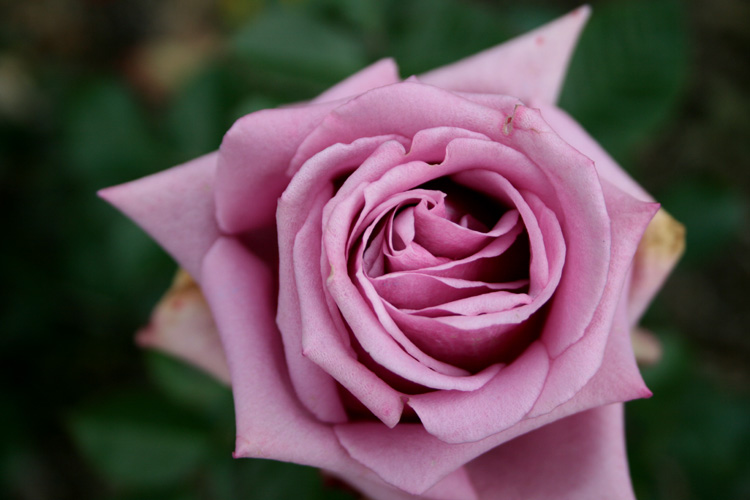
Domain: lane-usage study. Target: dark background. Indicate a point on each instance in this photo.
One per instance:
(98, 92)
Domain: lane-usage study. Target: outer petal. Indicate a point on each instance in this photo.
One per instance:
(608, 169)
(456, 485)
(585, 222)
(254, 161)
(581, 457)
(661, 247)
(457, 417)
(175, 207)
(270, 421)
(383, 72)
(664, 240)
(573, 368)
(255, 153)
(182, 325)
(532, 66)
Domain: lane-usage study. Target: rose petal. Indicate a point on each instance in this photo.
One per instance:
(467, 381)
(581, 456)
(399, 109)
(325, 340)
(585, 224)
(388, 453)
(385, 451)
(444, 237)
(270, 421)
(368, 291)
(532, 66)
(254, 160)
(365, 324)
(476, 339)
(493, 263)
(357, 196)
(315, 388)
(378, 74)
(662, 246)
(455, 485)
(540, 268)
(572, 369)
(175, 207)
(378, 341)
(469, 348)
(461, 417)
(607, 168)
(419, 291)
(182, 325)
(646, 347)
(414, 256)
(478, 305)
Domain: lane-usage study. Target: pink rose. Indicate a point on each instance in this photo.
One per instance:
(447, 311)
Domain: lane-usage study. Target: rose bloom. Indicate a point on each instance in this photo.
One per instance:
(424, 287)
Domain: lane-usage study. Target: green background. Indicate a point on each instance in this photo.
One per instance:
(98, 92)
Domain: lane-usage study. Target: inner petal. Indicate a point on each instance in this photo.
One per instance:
(419, 291)
(444, 237)
(485, 303)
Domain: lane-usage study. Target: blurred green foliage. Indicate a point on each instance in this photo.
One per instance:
(87, 415)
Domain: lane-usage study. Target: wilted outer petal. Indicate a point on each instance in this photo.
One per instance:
(532, 66)
(182, 325)
(580, 457)
(662, 246)
(646, 347)
(175, 207)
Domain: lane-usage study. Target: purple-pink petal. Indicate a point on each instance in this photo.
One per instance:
(531, 66)
(175, 207)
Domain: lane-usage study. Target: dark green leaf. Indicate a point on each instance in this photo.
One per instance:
(627, 72)
(139, 442)
(196, 119)
(713, 216)
(285, 41)
(191, 387)
(107, 137)
(446, 31)
(255, 479)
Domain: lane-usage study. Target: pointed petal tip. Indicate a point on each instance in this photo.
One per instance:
(382, 72)
(531, 66)
(584, 12)
(110, 194)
